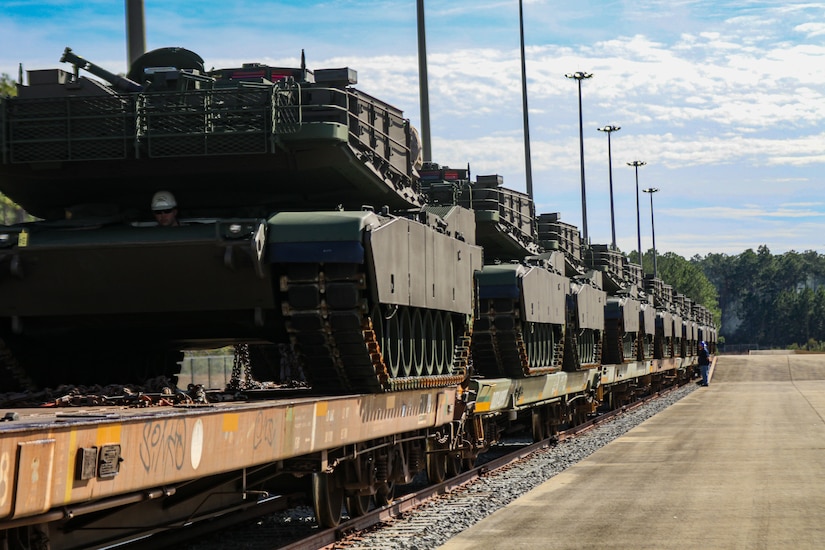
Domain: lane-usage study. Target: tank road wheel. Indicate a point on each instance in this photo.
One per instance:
(406, 341)
(430, 343)
(449, 344)
(538, 328)
(417, 335)
(528, 338)
(392, 343)
(327, 499)
(358, 505)
(436, 462)
(547, 345)
(541, 344)
(438, 339)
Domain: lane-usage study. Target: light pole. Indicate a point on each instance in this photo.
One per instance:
(652, 190)
(579, 76)
(608, 130)
(636, 164)
(528, 164)
(423, 84)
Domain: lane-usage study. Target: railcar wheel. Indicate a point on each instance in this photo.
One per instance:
(436, 462)
(468, 463)
(539, 426)
(358, 505)
(456, 464)
(327, 499)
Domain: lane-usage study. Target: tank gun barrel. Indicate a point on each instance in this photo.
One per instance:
(121, 83)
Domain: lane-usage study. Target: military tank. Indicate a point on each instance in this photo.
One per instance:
(541, 308)
(302, 222)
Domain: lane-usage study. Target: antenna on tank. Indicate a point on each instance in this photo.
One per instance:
(303, 65)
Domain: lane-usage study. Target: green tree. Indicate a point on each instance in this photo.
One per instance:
(7, 86)
(9, 211)
(688, 279)
(772, 300)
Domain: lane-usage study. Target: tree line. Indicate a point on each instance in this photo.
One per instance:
(685, 276)
(775, 301)
(10, 213)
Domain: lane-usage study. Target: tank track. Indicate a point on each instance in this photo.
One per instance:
(577, 359)
(499, 346)
(338, 336)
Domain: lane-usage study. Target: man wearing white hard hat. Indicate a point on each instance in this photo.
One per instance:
(165, 209)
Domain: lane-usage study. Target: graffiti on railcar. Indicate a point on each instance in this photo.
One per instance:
(264, 431)
(163, 445)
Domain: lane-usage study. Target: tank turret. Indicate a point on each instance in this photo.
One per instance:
(286, 138)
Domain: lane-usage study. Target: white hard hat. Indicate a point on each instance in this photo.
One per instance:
(163, 200)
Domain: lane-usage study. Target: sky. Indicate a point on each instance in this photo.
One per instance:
(723, 99)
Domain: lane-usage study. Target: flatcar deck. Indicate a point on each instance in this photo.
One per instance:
(733, 465)
(52, 458)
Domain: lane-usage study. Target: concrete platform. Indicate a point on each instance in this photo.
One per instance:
(738, 464)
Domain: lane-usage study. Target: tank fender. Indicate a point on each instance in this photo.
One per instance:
(648, 317)
(590, 306)
(544, 296)
(415, 266)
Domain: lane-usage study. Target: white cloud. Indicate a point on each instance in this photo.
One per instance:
(811, 29)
